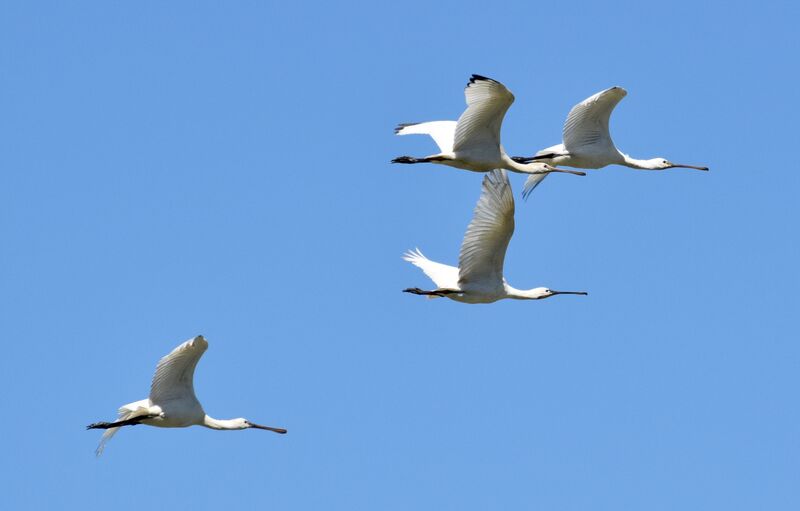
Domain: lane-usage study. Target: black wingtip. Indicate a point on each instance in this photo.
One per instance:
(477, 78)
(480, 78)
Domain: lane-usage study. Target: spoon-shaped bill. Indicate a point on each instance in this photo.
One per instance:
(689, 167)
(276, 430)
(584, 293)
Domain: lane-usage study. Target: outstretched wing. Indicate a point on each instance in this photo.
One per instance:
(443, 275)
(478, 128)
(442, 132)
(586, 127)
(175, 372)
(483, 250)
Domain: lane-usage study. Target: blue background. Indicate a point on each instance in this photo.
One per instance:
(200, 167)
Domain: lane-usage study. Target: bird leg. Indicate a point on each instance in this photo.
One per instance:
(406, 159)
(127, 422)
(436, 292)
(528, 159)
(411, 159)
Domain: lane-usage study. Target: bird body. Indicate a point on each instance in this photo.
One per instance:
(473, 142)
(446, 279)
(479, 275)
(172, 402)
(589, 160)
(587, 142)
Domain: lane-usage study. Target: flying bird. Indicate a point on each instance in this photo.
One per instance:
(479, 276)
(473, 142)
(587, 141)
(172, 402)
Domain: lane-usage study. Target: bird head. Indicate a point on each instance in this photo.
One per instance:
(663, 163)
(538, 293)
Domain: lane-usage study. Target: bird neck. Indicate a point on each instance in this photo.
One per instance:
(211, 422)
(523, 168)
(636, 163)
(522, 294)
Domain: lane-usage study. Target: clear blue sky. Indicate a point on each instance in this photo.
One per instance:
(201, 168)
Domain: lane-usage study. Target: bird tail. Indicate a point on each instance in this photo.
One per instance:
(128, 411)
(442, 275)
(418, 259)
(414, 257)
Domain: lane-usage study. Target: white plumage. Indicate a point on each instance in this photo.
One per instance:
(479, 276)
(473, 142)
(587, 142)
(172, 402)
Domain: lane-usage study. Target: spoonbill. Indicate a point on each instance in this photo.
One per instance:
(473, 142)
(479, 276)
(172, 403)
(587, 142)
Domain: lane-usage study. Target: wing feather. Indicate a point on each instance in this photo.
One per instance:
(478, 128)
(531, 183)
(483, 250)
(174, 378)
(587, 122)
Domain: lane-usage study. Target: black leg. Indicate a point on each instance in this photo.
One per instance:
(407, 159)
(436, 292)
(119, 424)
(427, 159)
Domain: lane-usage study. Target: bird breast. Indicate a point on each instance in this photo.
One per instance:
(179, 414)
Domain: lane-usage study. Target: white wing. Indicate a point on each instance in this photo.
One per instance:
(483, 250)
(175, 372)
(587, 122)
(531, 183)
(535, 179)
(443, 275)
(554, 150)
(442, 132)
(478, 128)
(126, 412)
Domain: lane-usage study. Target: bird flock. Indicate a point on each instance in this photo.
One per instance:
(471, 143)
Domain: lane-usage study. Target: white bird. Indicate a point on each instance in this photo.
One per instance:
(587, 141)
(473, 142)
(172, 403)
(479, 276)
